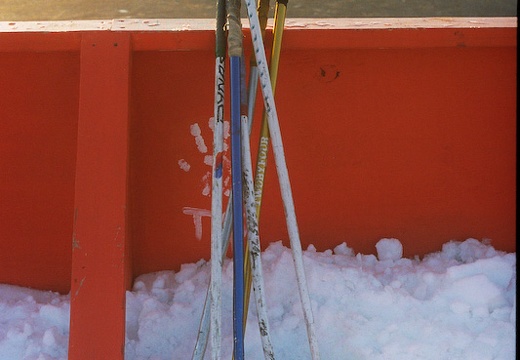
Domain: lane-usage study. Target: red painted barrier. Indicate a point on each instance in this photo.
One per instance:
(399, 128)
(100, 253)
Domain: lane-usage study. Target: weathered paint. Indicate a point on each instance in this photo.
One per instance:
(401, 128)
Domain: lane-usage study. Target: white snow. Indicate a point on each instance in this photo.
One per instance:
(458, 303)
(389, 249)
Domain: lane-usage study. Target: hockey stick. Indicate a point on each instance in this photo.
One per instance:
(261, 164)
(216, 194)
(235, 54)
(252, 250)
(217, 249)
(263, 12)
(283, 176)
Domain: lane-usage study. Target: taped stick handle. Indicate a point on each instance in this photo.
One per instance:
(220, 30)
(234, 28)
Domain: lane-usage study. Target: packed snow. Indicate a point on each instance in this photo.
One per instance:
(458, 303)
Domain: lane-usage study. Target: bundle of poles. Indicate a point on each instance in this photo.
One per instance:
(246, 195)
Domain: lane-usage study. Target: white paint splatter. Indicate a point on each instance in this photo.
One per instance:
(227, 133)
(184, 165)
(197, 214)
(199, 140)
(226, 129)
(208, 160)
(206, 180)
(227, 189)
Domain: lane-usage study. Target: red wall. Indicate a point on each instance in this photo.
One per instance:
(413, 143)
(403, 132)
(38, 131)
(409, 141)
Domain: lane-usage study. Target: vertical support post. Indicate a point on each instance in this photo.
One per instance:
(100, 256)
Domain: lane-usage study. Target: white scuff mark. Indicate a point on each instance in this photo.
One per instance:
(206, 190)
(227, 133)
(295, 24)
(323, 23)
(151, 22)
(79, 286)
(206, 180)
(226, 129)
(227, 189)
(208, 160)
(197, 215)
(184, 165)
(199, 140)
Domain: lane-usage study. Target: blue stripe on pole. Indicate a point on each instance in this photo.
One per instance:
(238, 229)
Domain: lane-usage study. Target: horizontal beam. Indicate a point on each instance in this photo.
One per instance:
(155, 25)
(198, 34)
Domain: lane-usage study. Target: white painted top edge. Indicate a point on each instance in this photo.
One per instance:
(296, 23)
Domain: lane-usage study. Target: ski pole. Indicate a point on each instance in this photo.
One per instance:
(283, 176)
(235, 54)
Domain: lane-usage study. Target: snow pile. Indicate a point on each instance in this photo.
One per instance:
(33, 324)
(459, 303)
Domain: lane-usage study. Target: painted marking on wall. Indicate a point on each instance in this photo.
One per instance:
(199, 140)
(208, 160)
(223, 160)
(184, 165)
(206, 180)
(197, 215)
